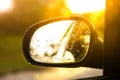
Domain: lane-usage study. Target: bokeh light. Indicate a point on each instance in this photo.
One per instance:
(5, 5)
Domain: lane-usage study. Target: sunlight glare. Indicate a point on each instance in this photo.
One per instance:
(6, 5)
(44, 37)
(85, 6)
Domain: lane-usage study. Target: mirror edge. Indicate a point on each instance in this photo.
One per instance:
(29, 32)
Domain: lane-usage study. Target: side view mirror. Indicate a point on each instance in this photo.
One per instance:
(63, 42)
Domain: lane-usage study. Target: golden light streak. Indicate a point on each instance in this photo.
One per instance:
(85, 6)
(5, 5)
(67, 73)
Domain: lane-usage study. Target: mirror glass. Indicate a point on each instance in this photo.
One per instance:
(65, 41)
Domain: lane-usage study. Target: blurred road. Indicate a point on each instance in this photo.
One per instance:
(53, 74)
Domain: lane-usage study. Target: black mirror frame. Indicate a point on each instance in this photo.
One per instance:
(28, 34)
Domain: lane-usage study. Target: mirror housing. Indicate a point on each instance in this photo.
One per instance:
(93, 57)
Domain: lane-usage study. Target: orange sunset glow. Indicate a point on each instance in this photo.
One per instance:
(85, 6)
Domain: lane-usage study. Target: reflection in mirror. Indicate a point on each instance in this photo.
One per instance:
(64, 41)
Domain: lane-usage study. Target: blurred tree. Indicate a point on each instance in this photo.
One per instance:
(24, 14)
(56, 8)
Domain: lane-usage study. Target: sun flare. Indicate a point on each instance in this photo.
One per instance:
(85, 6)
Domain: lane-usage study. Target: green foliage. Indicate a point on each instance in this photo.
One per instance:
(11, 55)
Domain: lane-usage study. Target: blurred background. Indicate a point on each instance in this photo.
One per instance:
(17, 15)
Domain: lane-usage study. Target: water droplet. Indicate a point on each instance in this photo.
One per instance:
(83, 45)
(78, 50)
